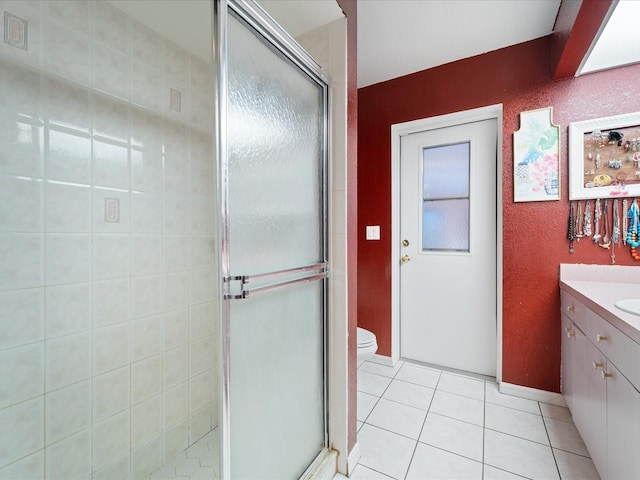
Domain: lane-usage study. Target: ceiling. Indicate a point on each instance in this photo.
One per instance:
(398, 37)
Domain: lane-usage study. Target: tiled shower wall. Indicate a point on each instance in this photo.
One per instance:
(107, 284)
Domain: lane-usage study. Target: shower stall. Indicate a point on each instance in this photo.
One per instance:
(164, 243)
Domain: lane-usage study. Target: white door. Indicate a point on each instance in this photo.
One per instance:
(448, 310)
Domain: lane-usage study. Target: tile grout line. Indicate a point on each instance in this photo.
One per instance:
(555, 460)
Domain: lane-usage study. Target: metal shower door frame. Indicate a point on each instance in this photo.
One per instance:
(259, 20)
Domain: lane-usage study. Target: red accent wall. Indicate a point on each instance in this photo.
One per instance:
(534, 234)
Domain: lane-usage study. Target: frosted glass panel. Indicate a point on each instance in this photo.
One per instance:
(445, 225)
(275, 147)
(277, 425)
(446, 171)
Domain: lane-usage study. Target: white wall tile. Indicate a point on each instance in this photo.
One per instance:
(110, 165)
(147, 130)
(68, 208)
(111, 258)
(147, 254)
(147, 45)
(146, 458)
(176, 62)
(21, 201)
(111, 439)
(110, 118)
(202, 250)
(21, 141)
(146, 213)
(117, 469)
(176, 290)
(70, 458)
(68, 258)
(200, 356)
(75, 14)
(201, 215)
(176, 252)
(201, 75)
(175, 366)
(111, 393)
(111, 301)
(68, 411)
(175, 439)
(146, 295)
(67, 104)
(201, 318)
(176, 171)
(201, 286)
(68, 53)
(22, 431)
(146, 87)
(68, 309)
(20, 90)
(69, 157)
(199, 391)
(146, 337)
(28, 468)
(32, 13)
(146, 378)
(200, 423)
(100, 223)
(21, 373)
(146, 168)
(146, 421)
(176, 214)
(68, 360)
(175, 404)
(110, 347)
(176, 328)
(112, 26)
(22, 314)
(21, 261)
(110, 72)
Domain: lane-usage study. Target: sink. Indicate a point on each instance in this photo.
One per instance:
(629, 305)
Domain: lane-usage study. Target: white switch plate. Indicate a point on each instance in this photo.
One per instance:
(373, 232)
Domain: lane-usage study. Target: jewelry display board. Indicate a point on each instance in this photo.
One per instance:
(604, 157)
(536, 153)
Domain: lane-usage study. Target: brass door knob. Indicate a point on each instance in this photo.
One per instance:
(405, 259)
(405, 243)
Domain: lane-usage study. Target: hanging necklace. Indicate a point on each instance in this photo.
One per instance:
(632, 234)
(571, 235)
(579, 222)
(596, 221)
(606, 242)
(587, 219)
(625, 219)
(615, 235)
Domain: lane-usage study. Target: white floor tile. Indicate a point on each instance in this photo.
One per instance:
(514, 422)
(466, 386)
(493, 473)
(556, 412)
(494, 396)
(458, 407)
(204, 473)
(409, 394)
(385, 452)
(397, 418)
(378, 369)
(565, 436)
(575, 467)
(516, 455)
(455, 436)
(366, 403)
(427, 377)
(363, 473)
(371, 383)
(432, 463)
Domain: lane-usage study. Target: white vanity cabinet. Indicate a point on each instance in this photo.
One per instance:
(600, 381)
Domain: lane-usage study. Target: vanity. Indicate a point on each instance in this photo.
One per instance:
(601, 363)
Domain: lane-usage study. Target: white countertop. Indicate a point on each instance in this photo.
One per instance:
(599, 287)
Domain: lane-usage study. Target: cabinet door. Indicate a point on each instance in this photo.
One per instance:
(595, 434)
(581, 369)
(568, 362)
(623, 427)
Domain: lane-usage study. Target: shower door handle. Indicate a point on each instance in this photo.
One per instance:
(308, 275)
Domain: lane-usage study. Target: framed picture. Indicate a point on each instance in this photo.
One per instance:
(536, 157)
(604, 157)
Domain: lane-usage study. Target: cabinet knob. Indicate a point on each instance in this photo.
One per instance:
(571, 308)
(570, 334)
(601, 338)
(606, 375)
(597, 365)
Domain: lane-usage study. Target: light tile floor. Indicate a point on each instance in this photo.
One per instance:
(419, 423)
(200, 461)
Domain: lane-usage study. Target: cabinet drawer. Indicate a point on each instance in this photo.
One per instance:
(574, 309)
(615, 345)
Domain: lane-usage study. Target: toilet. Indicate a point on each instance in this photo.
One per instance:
(367, 345)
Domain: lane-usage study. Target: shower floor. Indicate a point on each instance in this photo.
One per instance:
(200, 461)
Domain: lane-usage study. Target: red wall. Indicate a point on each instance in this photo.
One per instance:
(534, 234)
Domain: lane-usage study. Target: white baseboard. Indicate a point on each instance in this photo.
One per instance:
(354, 458)
(382, 360)
(532, 394)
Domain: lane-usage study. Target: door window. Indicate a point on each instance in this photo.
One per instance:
(445, 198)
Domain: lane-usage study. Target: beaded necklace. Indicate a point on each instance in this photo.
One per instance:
(632, 233)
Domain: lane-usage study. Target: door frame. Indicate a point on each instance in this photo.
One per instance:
(399, 130)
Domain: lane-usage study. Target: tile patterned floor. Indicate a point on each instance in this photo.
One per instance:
(419, 423)
(199, 461)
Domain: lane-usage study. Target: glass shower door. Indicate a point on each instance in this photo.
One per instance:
(273, 255)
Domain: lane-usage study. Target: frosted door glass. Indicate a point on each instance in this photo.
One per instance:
(445, 225)
(446, 171)
(275, 222)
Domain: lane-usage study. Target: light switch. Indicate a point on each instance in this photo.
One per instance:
(373, 232)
